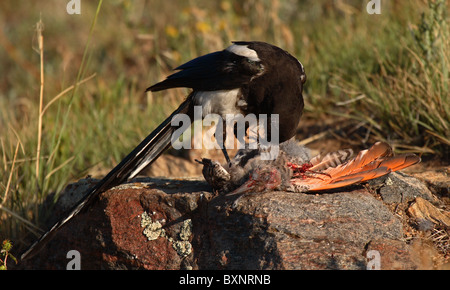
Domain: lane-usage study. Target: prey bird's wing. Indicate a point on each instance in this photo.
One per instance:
(368, 164)
(142, 156)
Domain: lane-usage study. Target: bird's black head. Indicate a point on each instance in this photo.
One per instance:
(269, 57)
(233, 67)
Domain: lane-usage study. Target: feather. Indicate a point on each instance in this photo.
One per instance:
(143, 155)
(368, 164)
(320, 173)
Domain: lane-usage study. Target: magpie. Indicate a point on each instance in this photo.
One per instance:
(246, 78)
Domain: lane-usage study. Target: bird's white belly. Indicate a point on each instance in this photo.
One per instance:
(221, 102)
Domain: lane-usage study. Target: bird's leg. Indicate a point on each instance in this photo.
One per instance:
(222, 146)
(225, 153)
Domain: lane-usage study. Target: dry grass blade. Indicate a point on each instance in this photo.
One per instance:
(40, 37)
(313, 138)
(8, 184)
(57, 97)
(441, 238)
(59, 167)
(17, 216)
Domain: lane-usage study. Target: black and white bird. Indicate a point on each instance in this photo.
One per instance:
(245, 78)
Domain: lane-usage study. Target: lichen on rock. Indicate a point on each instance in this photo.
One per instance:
(152, 230)
(186, 230)
(184, 247)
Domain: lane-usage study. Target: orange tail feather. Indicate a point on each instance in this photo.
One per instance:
(368, 164)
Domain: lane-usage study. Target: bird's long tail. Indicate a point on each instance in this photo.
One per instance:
(368, 164)
(142, 156)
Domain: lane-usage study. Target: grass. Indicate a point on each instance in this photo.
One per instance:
(406, 100)
(72, 100)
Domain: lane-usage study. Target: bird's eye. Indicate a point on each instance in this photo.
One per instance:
(256, 64)
(303, 78)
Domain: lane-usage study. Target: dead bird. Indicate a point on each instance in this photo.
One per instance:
(294, 170)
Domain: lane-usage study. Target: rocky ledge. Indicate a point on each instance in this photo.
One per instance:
(391, 223)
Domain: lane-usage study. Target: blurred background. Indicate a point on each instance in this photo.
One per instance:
(72, 86)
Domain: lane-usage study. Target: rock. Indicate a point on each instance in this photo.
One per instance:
(281, 230)
(113, 233)
(70, 196)
(398, 187)
(437, 179)
(180, 224)
(422, 210)
(390, 255)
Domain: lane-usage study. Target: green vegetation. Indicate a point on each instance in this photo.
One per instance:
(72, 99)
(5, 254)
